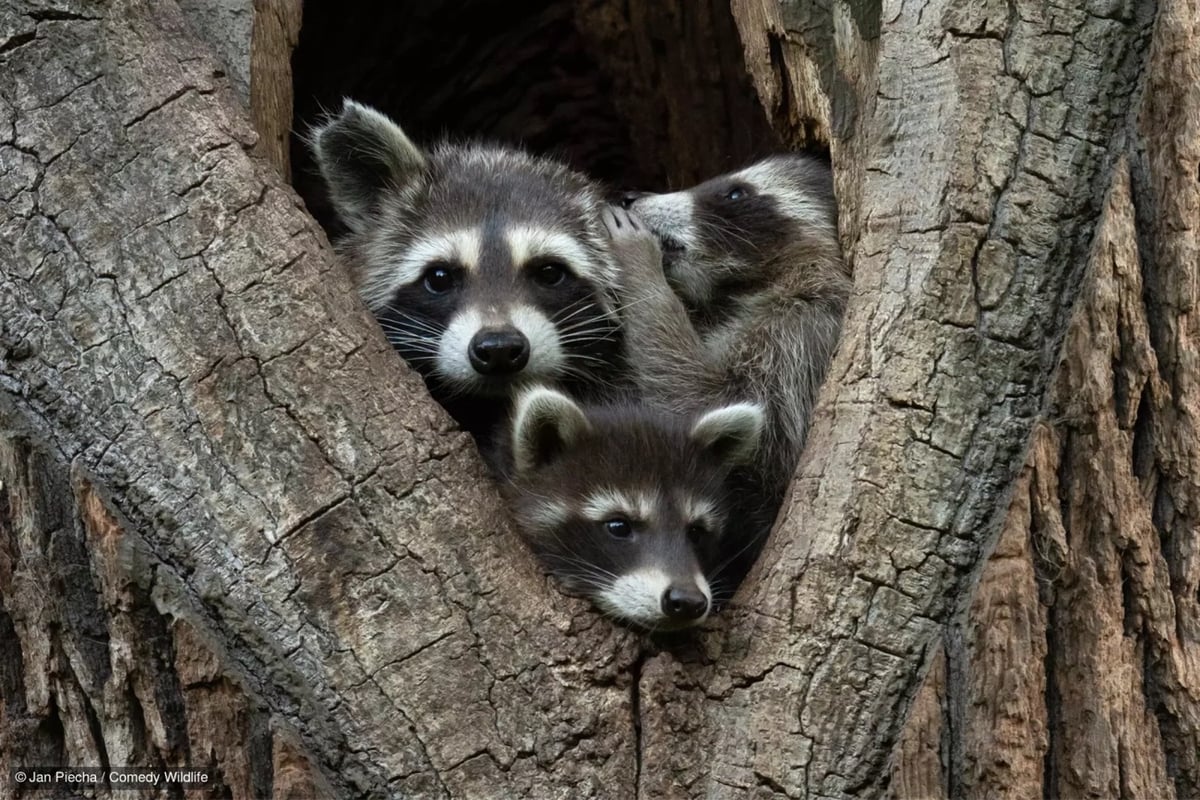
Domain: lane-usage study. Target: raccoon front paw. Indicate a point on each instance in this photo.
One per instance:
(636, 249)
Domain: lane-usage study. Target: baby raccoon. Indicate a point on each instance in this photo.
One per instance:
(739, 288)
(628, 505)
(487, 267)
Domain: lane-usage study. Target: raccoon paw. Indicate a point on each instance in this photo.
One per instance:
(636, 249)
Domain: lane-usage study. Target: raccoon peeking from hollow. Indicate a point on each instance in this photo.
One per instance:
(487, 267)
(739, 287)
(630, 505)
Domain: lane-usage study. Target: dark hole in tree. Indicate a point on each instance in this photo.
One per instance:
(646, 94)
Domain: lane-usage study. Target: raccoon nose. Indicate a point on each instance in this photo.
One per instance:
(498, 351)
(629, 198)
(684, 603)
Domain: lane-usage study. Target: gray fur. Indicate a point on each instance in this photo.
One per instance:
(737, 300)
(451, 248)
(579, 468)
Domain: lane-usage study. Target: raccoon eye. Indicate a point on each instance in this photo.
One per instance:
(550, 273)
(618, 528)
(736, 193)
(696, 531)
(438, 279)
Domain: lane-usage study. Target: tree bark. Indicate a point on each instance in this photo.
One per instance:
(175, 330)
(1077, 671)
(235, 532)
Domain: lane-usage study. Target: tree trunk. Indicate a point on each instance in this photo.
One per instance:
(1077, 671)
(235, 533)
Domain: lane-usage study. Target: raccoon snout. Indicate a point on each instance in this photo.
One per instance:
(498, 351)
(684, 603)
(629, 198)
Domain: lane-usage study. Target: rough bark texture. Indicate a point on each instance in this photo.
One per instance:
(276, 33)
(174, 329)
(1077, 672)
(235, 532)
(97, 669)
(971, 143)
(227, 26)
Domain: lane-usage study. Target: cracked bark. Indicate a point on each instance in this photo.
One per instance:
(235, 533)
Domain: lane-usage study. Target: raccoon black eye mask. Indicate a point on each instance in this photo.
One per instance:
(628, 505)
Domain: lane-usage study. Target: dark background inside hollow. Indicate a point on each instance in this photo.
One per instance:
(644, 94)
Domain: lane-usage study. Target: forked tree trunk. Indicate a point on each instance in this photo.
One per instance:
(235, 533)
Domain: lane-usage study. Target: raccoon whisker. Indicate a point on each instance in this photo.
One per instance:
(583, 341)
(584, 304)
(586, 337)
(452, 390)
(589, 377)
(633, 302)
(753, 541)
(411, 354)
(411, 329)
(719, 230)
(415, 336)
(410, 324)
(429, 340)
(414, 345)
(585, 324)
(395, 313)
(572, 558)
(585, 357)
(420, 360)
(584, 374)
(392, 312)
(588, 328)
(582, 580)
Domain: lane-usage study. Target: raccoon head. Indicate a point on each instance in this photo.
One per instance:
(486, 266)
(628, 505)
(738, 233)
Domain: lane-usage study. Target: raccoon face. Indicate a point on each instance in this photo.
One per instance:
(482, 310)
(718, 237)
(627, 505)
(485, 266)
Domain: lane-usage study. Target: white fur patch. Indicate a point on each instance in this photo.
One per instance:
(771, 179)
(637, 597)
(453, 358)
(671, 215)
(698, 509)
(526, 244)
(547, 514)
(461, 247)
(604, 504)
(735, 431)
(546, 356)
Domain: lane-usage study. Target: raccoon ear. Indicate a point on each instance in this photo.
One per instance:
(361, 153)
(732, 433)
(546, 424)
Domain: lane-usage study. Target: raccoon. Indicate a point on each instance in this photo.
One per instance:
(487, 267)
(630, 505)
(740, 287)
